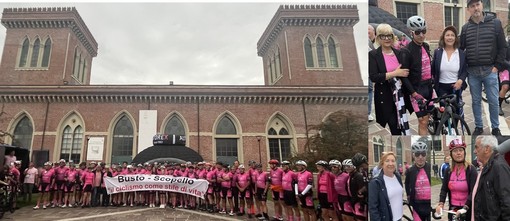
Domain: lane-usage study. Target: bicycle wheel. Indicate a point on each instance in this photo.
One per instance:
(452, 125)
(431, 126)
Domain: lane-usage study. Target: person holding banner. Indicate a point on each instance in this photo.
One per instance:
(45, 182)
(211, 178)
(243, 184)
(261, 186)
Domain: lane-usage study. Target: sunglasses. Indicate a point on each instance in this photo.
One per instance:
(424, 31)
(386, 37)
(423, 154)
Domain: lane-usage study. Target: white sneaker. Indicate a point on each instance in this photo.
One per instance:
(44, 206)
(70, 205)
(64, 206)
(124, 204)
(231, 213)
(36, 207)
(370, 118)
(162, 206)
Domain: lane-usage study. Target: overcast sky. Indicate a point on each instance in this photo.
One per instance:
(187, 43)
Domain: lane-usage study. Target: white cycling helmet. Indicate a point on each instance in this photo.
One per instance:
(335, 163)
(347, 162)
(419, 147)
(416, 23)
(301, 162)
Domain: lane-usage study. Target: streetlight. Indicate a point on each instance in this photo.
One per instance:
(260, 154)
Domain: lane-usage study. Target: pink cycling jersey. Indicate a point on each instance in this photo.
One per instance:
(161, 172)
(253, 173)
(71, 175)
(323, 182)
(202, 174)
(228, 177)
(261, 180)
(88, 178)
(341, 184)
(276, 176)
(60, 173)
(459, 189)
(288, 180)
(46, 176)
(243, 179)
(178, 173)
(211, 177)
(422, 186)
(304, 179)
(192, 175)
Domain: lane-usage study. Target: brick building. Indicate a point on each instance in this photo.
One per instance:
(440, 13)
(48, 105)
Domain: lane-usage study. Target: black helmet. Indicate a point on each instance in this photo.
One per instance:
(359, 159)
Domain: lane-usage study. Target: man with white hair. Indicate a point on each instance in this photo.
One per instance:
(491, 193)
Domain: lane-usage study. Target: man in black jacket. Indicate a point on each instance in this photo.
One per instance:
(491, 194)
(483, 40)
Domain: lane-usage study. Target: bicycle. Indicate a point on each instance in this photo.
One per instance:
(6, 199)
(404, 216)
(447, 116)
(461, 217)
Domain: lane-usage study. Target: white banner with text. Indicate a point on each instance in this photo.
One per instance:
(145, 182)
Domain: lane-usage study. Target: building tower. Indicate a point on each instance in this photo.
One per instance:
(46, 46)
(311, 45)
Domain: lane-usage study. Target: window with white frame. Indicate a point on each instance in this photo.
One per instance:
(406, 10)
(72, 140)
(279, 139)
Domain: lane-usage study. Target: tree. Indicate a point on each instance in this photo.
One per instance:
(342, 135)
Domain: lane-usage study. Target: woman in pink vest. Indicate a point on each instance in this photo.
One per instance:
(326, 191)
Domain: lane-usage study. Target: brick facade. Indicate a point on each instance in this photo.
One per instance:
(97, 108)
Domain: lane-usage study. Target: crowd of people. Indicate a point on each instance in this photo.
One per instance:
(406, 78)
(473, 195)
(338, 191)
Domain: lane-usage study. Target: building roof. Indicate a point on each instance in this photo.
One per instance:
(184, 94)
(306, 15)
(51, 17)
(377, 15)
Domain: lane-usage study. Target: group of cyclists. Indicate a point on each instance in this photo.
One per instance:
(337, 192)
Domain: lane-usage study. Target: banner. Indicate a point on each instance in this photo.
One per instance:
(146, 182)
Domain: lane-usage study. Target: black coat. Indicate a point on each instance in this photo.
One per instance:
(492, 197)
(383, 95)
(415, 63)
(379, 205)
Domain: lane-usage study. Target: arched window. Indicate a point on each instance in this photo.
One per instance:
(399, 151)
(278, 64)
(35, 53)
(320, 53)
(23, 133)
(46, 53)
(175, 126)
(279, 139)
(76, 62)
(333, 58)
(226, 141)
(72, 141)
(24, 53)
(378, 149)
(122, 145)
(308, 53)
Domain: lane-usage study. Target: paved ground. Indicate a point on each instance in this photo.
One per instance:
(376, 129)
(115, 214)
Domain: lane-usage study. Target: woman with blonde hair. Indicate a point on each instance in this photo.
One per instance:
(385, 192)
(459, 181)
(388, 68)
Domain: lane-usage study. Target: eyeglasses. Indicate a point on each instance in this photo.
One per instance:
(423, 154)
(386, 37)
(424, 31)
